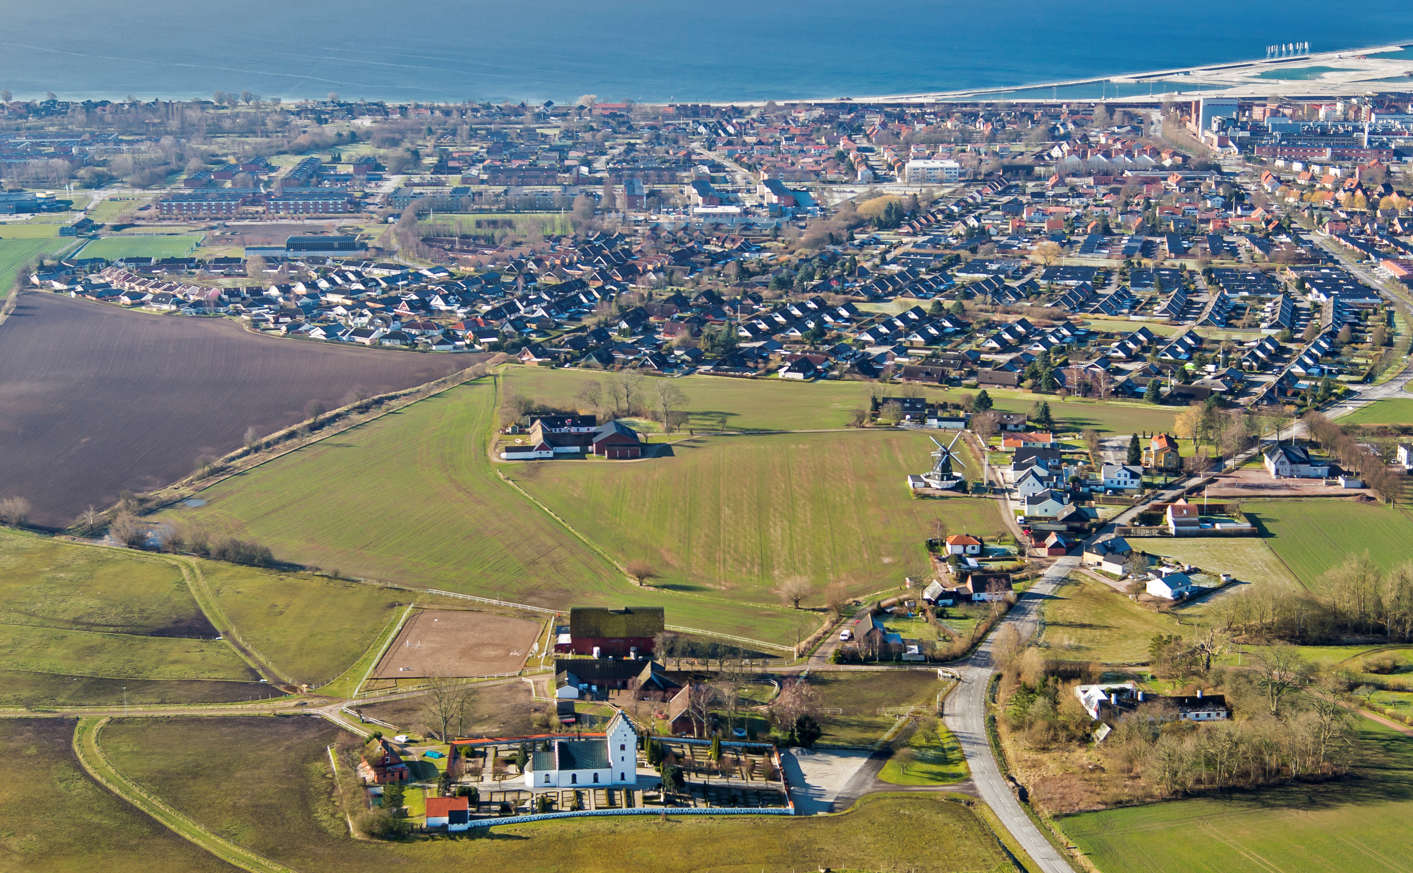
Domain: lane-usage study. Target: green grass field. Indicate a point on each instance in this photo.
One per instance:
(108, 209)
(1312, 536)
(1249, 559)
(549, 222)
(859, 696)
(15, 253)
(56, 819)
(112, 247)
(51, 583)
(1351, 825)
(413, 498)
(29, 230)
(939, 763)
(111, 656)
(263, 783)
(310, 628)
(717, 403)
(745, 513)
(1088, 621)
(1397, 411)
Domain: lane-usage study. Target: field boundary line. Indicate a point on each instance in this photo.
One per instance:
(383, 650)
(102, 771)
(206, 602)
(707, 633)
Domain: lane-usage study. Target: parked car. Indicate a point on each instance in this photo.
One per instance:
(845, 635)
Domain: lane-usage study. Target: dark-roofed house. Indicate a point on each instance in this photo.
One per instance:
(574, 677)
(599, 631)
(607, 760)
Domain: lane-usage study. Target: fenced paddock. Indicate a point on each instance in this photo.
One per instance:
(458, 643)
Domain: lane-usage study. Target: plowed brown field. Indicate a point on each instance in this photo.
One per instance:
(95, 400)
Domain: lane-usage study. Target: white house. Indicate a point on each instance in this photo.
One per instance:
(1127, 477)
(1171, 585)
(1046, 504)
(1289, 461)
(1032, 482)
(963, 544)
(608, 761)
(1405, 455)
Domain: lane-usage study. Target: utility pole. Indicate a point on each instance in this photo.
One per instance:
(125, 701)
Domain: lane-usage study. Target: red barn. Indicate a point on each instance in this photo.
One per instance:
(614, 631)
(617, 441)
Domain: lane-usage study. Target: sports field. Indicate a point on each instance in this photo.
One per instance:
(57, 819)
(1312, 536)
(1397, 411)
(1086, 620)
(444, 642)
(120, 246)
(1350, 825)
(15, 253)
(745, 513)
(413, 498)
(263, 783)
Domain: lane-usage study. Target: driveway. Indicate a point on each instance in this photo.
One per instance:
(819, 777)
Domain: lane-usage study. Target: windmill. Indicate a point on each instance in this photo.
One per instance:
(942, 476)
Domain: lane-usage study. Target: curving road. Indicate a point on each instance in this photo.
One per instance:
(965, 716)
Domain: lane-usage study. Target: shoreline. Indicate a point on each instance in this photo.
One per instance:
(1239, 78)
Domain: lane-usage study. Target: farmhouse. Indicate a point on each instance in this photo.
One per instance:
(1045, 504)
(608, 760)
(1110, 549)
(623, 632)
(1290, 461)
(574, 677)
(382, 765)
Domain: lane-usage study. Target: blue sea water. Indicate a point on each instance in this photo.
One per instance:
(646, 50)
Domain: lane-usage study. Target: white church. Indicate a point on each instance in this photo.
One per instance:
(608, 761)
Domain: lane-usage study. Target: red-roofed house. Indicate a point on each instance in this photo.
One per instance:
(452, 813)
(383, 766)
(963, 544)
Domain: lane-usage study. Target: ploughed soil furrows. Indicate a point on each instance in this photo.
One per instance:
(95, 400)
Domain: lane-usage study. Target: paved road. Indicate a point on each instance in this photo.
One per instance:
(966, 718)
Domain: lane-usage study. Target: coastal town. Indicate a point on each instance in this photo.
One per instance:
(671, 478)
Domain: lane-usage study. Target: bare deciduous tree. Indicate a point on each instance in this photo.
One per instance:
(794, 590)
(127, 530)
(668, 398)
(447, 706)
(14, 511)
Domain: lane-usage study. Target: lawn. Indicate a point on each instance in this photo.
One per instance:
(936, 763)
(1351, 825)
(413, 498)
(108, 209)
(263, 783)
(859, 696)
(549, 222)
(15, 253)
(120, 246)
(311, 628)
(57, 819)
(1312, 536)
(29, 230)
(745, 513)
(1086, 620)
(1077, 415)
(1397, 411)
